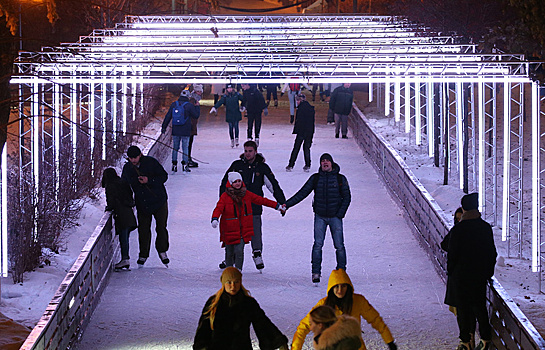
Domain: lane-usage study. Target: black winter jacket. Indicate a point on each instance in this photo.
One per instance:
(191, 112)
(304, 120)
(253, 100)
(119, 200)
(471, 258)
(234, 315)
(341, 100)
(331, 196)
(255, 175)
(151, 196)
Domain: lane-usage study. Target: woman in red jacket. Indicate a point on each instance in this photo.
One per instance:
(236, 224)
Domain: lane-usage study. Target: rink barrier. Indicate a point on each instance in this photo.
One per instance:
(70, 309)
(429, 223)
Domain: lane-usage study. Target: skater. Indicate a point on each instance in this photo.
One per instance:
(226, 318)
(341, 297)
(120, 202)
(271, 92)
(253, 101)
(331, 200)
(231, 99)
(294, 89)
(341, 105)
(471, 258)
(180, 113)
(332, 332)
(236, 225)
(304, 131)
(197, 95)
(255, 174)
(147, 178)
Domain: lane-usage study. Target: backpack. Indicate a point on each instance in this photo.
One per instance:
(178, 114)
(295, 87)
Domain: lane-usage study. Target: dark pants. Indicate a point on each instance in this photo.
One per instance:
(273, 93)
(234, 254)
(233, 130)
(144, 230)
(466, 316)
(190, 147)
(124, 243)
(306, 142)
(254, 117)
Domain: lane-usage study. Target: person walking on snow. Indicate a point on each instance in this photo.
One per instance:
(231, 99)
(119, 200)
(341, 297)
(471, 258)
(181, 112)
(226, 318)
(254, 103)
(236, 224)
(147, 178)
(294, 89)
(255, 174)
(304, 131)
(331, 200)
(341, 105)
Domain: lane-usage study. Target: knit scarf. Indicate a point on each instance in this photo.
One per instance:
(236, 195)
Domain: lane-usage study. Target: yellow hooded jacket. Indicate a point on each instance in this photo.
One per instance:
(360, 308)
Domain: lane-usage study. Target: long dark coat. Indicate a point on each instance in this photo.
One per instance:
(119, 200)
(234, 316)
(471, 257)
(232, 106)
(304, 120)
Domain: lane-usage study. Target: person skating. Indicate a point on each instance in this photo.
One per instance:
(147, 178)
(271, 92)
(341, 105)
(196, 94)
(253, 101)
(231, 99)
(332, 332)
(341, 297)
(304, 131)
(331, 200)
(181, 112)
(227, 316)
(471, 258)
(120, 201)
(294, 89)
(234, 211)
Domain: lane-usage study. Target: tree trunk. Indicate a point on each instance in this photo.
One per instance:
(7, 55)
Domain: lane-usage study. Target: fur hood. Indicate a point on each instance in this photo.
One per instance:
(346, 328)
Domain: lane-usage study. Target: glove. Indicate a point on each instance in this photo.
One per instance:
(242, 109)
(266, 112)
(214, 223)
(281, 94)
(213, 110)
(392, 346)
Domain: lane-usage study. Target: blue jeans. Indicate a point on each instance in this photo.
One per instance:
(336, 227)
(234, 254)
(176, 146)
(233, 127)
(124, 243)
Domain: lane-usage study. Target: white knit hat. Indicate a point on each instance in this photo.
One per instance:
(233, 176)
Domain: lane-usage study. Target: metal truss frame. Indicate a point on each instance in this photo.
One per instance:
(98, 84)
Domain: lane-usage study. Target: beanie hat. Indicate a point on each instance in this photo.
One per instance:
(326, 156)
(230, 274)
(233, 176)
(228, 86)
(185, 93)
(197, 87)
(133, 152)
(470, 201)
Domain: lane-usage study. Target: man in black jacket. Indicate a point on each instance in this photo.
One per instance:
(471, 258)
(304, 129)
(341, 105)
(253, 101)
(147, 178)
(255, 174)
(331, 200)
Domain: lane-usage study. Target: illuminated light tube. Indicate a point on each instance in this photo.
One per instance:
(536, 212)
(459, 128)
(506, 159)
(482, 146)
(407, 107)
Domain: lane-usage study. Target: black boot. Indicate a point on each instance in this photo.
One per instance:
(291, 119)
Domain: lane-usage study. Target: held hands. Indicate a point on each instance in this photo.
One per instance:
(214, 223)
(213, 110)
(282, 209)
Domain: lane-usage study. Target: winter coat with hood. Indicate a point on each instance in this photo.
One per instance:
(151, 196)
(360, 308)
(341, 100)
(331, 196)
(236, 220)
(253, 100)
(471, 258)
(232, 107)
(190, 111)
(232, 322)
(255, 175)
(304, 120)
(344, 334)
(119, 200)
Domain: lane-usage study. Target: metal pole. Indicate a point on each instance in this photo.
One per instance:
(355, 6)
(173, 6)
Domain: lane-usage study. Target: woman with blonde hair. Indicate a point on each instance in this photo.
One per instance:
(227, 315)
(332, 332)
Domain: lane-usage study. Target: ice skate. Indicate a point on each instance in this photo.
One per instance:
(222, 265)
(232, 143)
(174, 167)
(306, 169)
(316, 279)
(192, 164)
(258, 260)
(122, 265)
(483, 345)
(257, 141)
(164, 258)
(289, 168)
(141, 261)
(236, 142)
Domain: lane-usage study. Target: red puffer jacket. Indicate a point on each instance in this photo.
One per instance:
(237, 220)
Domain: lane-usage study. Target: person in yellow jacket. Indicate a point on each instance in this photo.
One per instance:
(341, 297)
